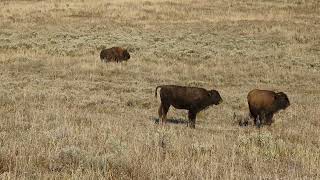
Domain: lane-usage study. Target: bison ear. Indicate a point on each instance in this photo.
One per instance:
(211, 92)
(280, 94)
(121, 54)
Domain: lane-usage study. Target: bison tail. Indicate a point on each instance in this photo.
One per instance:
(155, 94)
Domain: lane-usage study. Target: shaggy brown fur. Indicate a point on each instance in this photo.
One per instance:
(263, 104)
(190, 98)
(116, 54)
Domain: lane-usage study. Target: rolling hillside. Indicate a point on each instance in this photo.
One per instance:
(66, 115)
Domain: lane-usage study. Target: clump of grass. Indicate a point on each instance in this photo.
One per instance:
(263, 144)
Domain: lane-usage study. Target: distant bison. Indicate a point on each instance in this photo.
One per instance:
(263, 104)
(190, 98)
(116, 54)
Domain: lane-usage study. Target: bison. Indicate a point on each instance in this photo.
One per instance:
(116, 54)
(192, 99)
(263, 104)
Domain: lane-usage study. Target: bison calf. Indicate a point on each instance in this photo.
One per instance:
(114, 54)
(263, 104)
(190, 98)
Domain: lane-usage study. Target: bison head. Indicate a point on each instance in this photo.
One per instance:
(215, 97)
(125, 55)
(282, 101)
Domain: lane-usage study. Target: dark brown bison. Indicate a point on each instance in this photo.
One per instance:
(116, 54)
(263, 104)
(190, 98)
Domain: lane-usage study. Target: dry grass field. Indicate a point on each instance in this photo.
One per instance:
(66, 115)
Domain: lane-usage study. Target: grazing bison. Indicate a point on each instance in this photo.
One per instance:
(114, 54)
(263, 104)
(190, 98)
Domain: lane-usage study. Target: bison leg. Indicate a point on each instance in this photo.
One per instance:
(163, 110)
(261, 119)
(192, 119)
(269, 119)
(257, 121)
(160, 112)
(254, 115)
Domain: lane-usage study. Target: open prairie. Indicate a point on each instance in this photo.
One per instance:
(66, 115)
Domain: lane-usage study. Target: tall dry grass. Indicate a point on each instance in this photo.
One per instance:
(66, 115)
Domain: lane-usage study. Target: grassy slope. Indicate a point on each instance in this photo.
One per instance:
(64, 114)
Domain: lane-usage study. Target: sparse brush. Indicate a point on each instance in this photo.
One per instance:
(66, 115)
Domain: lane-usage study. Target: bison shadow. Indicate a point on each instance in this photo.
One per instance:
(172, 121)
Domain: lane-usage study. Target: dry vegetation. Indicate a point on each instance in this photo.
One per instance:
(63, 114)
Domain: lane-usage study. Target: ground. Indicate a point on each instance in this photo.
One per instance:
(64, 114)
